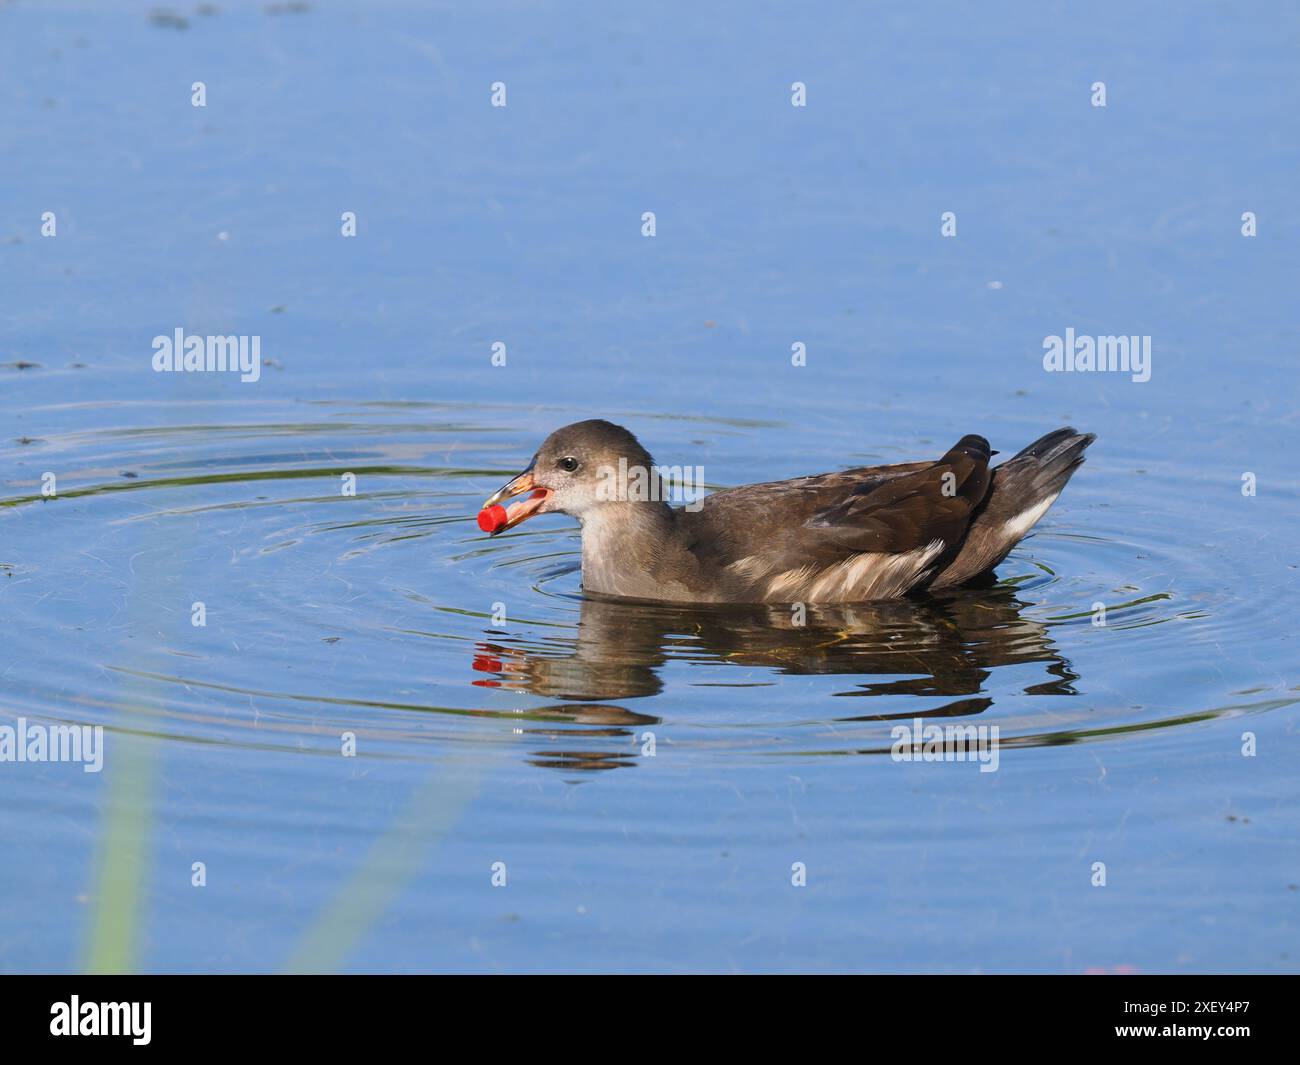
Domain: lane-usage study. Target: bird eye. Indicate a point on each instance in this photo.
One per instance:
(570, 464)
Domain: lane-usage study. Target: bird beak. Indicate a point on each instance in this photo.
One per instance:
(522, 511)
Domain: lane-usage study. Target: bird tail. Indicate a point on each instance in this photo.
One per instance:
(1021, 490)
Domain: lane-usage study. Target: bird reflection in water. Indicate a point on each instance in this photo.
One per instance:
(941, 646)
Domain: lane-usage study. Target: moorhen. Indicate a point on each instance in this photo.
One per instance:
(875, 532)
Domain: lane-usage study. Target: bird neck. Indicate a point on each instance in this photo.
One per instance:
(623, 544)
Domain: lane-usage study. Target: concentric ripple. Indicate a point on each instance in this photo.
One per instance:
(274, 582)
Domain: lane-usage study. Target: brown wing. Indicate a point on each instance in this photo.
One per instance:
(824, 520)
(912, 511)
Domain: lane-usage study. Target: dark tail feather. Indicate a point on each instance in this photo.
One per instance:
(1051, 442)
(1022, 489)
(1042, 469)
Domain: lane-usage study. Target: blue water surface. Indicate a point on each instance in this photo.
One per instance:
(580, 786)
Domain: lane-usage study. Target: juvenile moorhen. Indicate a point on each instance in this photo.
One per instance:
(875, 532)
